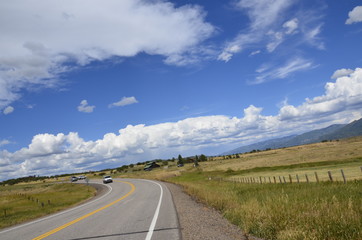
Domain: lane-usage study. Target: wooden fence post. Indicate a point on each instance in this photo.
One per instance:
(260, 180)
(269, 180)
(290, 179)
(344, 177)
(330, 176)
(280, 180)
(316, 177)
(284, 179)
(297, 178)
(306, 177)
(275, 180)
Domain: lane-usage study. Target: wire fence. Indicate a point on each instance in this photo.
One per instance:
(297, 176)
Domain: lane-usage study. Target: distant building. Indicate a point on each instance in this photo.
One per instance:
(151, 165)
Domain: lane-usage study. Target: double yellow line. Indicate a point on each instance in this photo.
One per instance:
(87, 215)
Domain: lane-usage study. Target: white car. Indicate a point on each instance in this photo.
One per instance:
(107, 179)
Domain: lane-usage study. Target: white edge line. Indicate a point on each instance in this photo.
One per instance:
(154, 220)
(58, 214)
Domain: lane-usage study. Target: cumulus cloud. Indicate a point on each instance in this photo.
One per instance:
(8, 110)
(84, 107)
(124, 102)
(355, 15)
(48, 38)
(53, 154)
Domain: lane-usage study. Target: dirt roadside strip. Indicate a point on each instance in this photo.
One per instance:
(198, 221)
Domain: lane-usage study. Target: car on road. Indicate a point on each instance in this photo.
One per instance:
(107, 179)
(73, 179)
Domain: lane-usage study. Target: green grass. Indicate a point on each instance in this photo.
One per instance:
(283, 211)
(23, 202)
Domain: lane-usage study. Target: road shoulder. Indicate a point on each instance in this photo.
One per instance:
(198, 221)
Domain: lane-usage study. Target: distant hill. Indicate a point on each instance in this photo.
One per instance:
(336, 131)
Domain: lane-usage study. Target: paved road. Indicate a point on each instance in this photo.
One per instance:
(130, 209)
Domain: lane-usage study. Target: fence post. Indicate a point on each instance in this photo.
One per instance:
(280, 180)
(275, 180)
(284, 179)
(344, 177)
(290, 179)
(269, 180)
(306, 177)
(316, 177)
(330, 176)
(297, 178)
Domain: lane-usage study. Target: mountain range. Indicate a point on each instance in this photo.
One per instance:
(333, 132)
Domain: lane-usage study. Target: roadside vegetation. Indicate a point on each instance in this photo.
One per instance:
(23, 202)
(282, 211)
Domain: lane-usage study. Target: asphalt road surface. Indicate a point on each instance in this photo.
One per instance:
(129, 209)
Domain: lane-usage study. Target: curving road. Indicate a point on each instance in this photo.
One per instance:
(130, 209)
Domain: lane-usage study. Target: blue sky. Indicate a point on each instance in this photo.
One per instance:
(119, 82)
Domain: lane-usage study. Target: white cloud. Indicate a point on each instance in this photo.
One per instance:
(291, 26)
(268, 72)
(8, 110)
(254, 53)
(40, 40)
(263, 15)
(269, 26)
(53, 154)
(4, 142)
(124, 102)
(355, 15)
(84, 107)
(341, 73)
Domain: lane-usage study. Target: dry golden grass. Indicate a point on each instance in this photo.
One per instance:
(317, 152)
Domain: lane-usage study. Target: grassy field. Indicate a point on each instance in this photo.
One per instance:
(283, 211)
(324, 210)
(23, 202)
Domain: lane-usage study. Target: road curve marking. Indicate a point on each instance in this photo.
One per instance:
(87, 215)
(155, 216)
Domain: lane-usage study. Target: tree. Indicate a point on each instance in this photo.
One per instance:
(196, 161)
(202, 158)
(180, 159)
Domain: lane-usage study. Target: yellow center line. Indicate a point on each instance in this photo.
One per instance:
(87, 215)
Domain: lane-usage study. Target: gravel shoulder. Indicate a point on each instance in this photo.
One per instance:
(198, 221)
